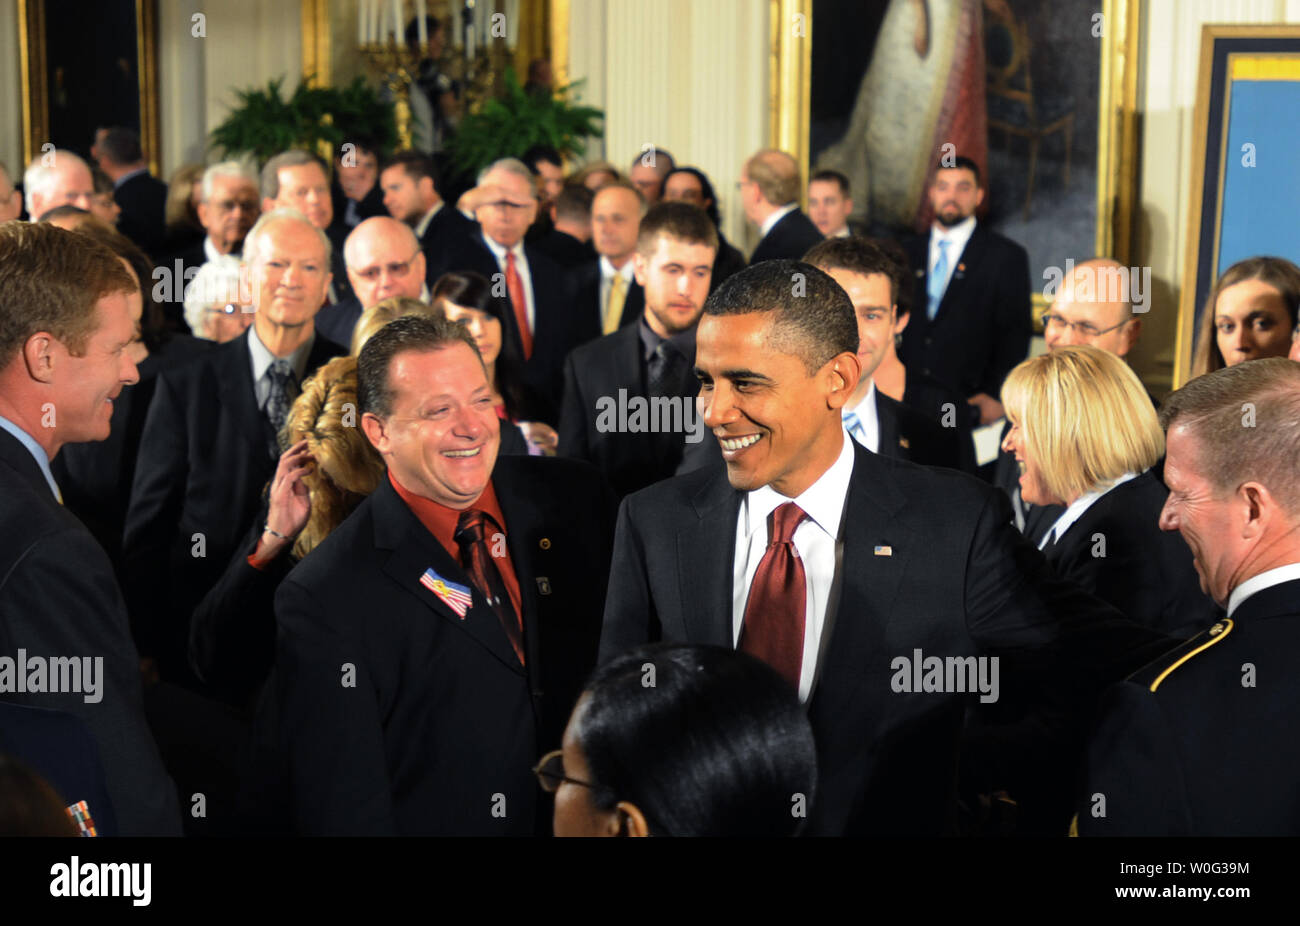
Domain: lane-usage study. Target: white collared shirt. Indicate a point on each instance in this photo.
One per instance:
(1257, 583)
(819, 541)
(262, 358)
(526, 278)
(957, 237)
(842, 233)
(867, 433)
(423, 225)
(775, 217)
(37, 452)
(1077, 507)
(210, 251)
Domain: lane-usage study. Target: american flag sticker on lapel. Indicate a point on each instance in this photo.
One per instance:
(884, 551)
(80, 814)
(456, 597)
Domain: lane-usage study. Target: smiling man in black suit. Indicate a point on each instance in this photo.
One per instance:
(840, 567)
(431, 647)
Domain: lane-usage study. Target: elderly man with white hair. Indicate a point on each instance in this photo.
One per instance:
(539, 291)
(210, 440)
(215, 308)
(57, 178)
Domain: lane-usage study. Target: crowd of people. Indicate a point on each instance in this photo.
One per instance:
(332, 507)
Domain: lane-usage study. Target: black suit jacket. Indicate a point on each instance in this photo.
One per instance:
(336, 322)
(791, 238)
(58, 598)
(957, 581)
(143, 201)
(907, 434)
(728, 261)
(984, 323)
(590, 312)
(599, 370)
(1200, 742)
(565, 250)
(180, 267)
(205, 454)
(1117, 551)
(446, 236)
(440, 732)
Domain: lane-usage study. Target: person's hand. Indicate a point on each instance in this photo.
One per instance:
(290, 503)
(473, 200)
(541, 435)
(990, 408)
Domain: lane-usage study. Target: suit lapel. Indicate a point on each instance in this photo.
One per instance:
(705, 592)
(887, 423)
(966, 263)
(522, 525)
(414, 550)
(235, 368)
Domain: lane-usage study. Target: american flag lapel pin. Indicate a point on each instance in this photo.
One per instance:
(80, 814)
(884, 550)
(456, 597)
(905, 443)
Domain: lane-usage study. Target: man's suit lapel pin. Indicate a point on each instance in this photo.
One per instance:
(543, 585)
(905, 443)
(884, 550)
(457, 597)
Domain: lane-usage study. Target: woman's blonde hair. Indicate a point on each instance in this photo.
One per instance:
(1085, 418)
(179, 211)
(385, 311)
(347, 467)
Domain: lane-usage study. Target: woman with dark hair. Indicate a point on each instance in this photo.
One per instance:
(95, 478)
(466, 297)
(677, 739)
(1250, 314)
(690, 185)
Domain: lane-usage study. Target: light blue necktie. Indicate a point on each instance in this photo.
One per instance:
(853, 424)
(938, 281)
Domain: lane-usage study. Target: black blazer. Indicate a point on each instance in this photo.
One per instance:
(564, 249)
(590, 313)
(630, 461)
(728, 261)
(180, 267)
(443, 724)
(1197, 743)
(984, 323)
(58, 597)
(336, 322)
(791, 238)
(956, 581)
(907, 434)
(143, 201)
(1117, 551)
(205, 454)
(446, 236)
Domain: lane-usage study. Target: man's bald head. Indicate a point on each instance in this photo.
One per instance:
(384, 259)
(1092, 306)
(58, 179)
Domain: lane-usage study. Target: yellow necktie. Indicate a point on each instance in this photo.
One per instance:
(614, 307)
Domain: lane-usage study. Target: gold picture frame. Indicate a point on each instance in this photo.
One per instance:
(33, 61)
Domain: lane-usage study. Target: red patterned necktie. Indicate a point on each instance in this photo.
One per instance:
(774, 614)
(516, 287)
(472, 538)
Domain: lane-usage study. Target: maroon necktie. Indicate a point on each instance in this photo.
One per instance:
(472, 538)
(774, 613)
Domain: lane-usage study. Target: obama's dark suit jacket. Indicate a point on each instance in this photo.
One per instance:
(439, 731)
(930, 562)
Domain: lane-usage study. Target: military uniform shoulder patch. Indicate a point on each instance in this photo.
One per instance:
(1153, 675)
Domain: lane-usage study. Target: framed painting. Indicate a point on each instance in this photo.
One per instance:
(87, 65)
(1243, 194)
(1042, 96)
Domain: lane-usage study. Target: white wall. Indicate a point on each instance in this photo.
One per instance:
(11, 92)
(685, 75)
(1167, 100)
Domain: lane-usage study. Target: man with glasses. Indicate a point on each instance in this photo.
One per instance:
(383, 259)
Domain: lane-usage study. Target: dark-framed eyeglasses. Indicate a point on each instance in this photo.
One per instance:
(1083, 329)
(395, 269)
(550, 772)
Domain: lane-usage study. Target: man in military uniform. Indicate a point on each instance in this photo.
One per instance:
(1201, 742)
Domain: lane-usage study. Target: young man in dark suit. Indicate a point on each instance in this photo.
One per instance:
(1201, 741)
(920, 562)
(648, 361)
(409, 181)
(431, 647)
(210, 438)
(867, 273)
(769, 191)
(971, 317)
(63, 360)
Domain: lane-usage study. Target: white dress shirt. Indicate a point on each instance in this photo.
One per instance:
(819, 541)
(775, 217)
(262, 358)
(526, 278)
(1258, 583)
(867, 433)
(957, 237)
(210, 251)
(844, 232)
(423, 225)
(1076, 509)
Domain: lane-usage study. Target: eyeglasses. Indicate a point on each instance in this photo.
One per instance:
(506, 205)
(396, 269)
(550, 773)
(1084, 329)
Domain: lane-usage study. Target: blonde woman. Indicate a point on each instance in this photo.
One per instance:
(328, 468)
(1086, 437)
(1250, 314)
